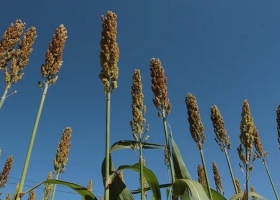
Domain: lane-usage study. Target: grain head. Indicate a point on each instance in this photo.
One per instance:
(195, 123)
(61, 157)
(48, 188)
(6, 171)
(217, 178)
(237, 185)
(253, 190)
(258, 144)
(109, 54)
(201, 175)
(8, 197)
(159, 87)
(31, 195)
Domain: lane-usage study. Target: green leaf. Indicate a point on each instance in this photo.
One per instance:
(148, 188)
(180, 169)
(117, 188)
(84, 192)
(240, 195)
(131, 143)
(216, 195)
(196, 189)
(149, 176)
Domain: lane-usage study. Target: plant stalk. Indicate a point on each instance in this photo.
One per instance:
(247, 176)
(166, 140)
(27, 159)
(54, 187)
(3, 96)
(230, 170)
(274, 190)
(205, 170)
(141, 172)
(107, 145)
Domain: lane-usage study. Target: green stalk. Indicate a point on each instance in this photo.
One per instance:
(247, 177)
(274, 190)
(230, 170)
(54, 187)
(205, 170)
(25, 167)
(3, 97)
(166, 140)
(141, 172)
(107, 145)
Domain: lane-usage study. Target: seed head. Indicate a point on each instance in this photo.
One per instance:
(201, 175)
(89, 187)
(138, 107)
(48, 188)
(219, 128)
(61, 158)
(9, 39)
(109, 54)
(237, 185)
(247, 128)
(253, 190)
(53, 61)
(159, 87)
(217, 178)
(196, 126)
(6, 171)
(31, 195)
(258, 144)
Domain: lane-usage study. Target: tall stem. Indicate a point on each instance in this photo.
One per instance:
(247, 176)
(230, 170)
(3, 97)
(107, 145)
(25, 167)
(205, 170)
(141, 172)
(166, 140)
(54, 187)
(271, 182)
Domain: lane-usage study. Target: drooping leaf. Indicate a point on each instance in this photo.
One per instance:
(124, 144)
(117, 188)
(84, 192)
(148, 175)
(240, 195)
(196, 189)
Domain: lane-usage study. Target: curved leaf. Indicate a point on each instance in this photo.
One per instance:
(148, 188)
(148, 175)
(124, 144)
(196, 189)
(84, 192)
(240, 195)
(216, 195)
(117, 188)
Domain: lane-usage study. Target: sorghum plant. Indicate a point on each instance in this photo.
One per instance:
(109, 56)
(49, 72)
(217, 179)
(4, 175)
(253, 190)
(201, 175)
(161, 101)
(138, 124)
(197, 131)
(222, 137)
(89, 187)
(247, 129)
(62, 153)
(31, 195)
(48, 188)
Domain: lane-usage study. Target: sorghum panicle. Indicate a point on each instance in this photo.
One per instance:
(253, 190)
(9, 39)
(48, 188)
(6, 171)
(138, 107)
(201, 175)
(159, 87)
(61, 158)
(8, 197)
(217, 178)
(109, 54)
(53, 61)
(219, 128)
(258, 144)
(195, 123)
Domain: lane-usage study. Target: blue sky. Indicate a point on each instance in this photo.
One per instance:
(221, 51)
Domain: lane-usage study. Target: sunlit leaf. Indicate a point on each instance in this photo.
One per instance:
(124, 144)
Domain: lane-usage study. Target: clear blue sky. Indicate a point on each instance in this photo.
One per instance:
(221, 51)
